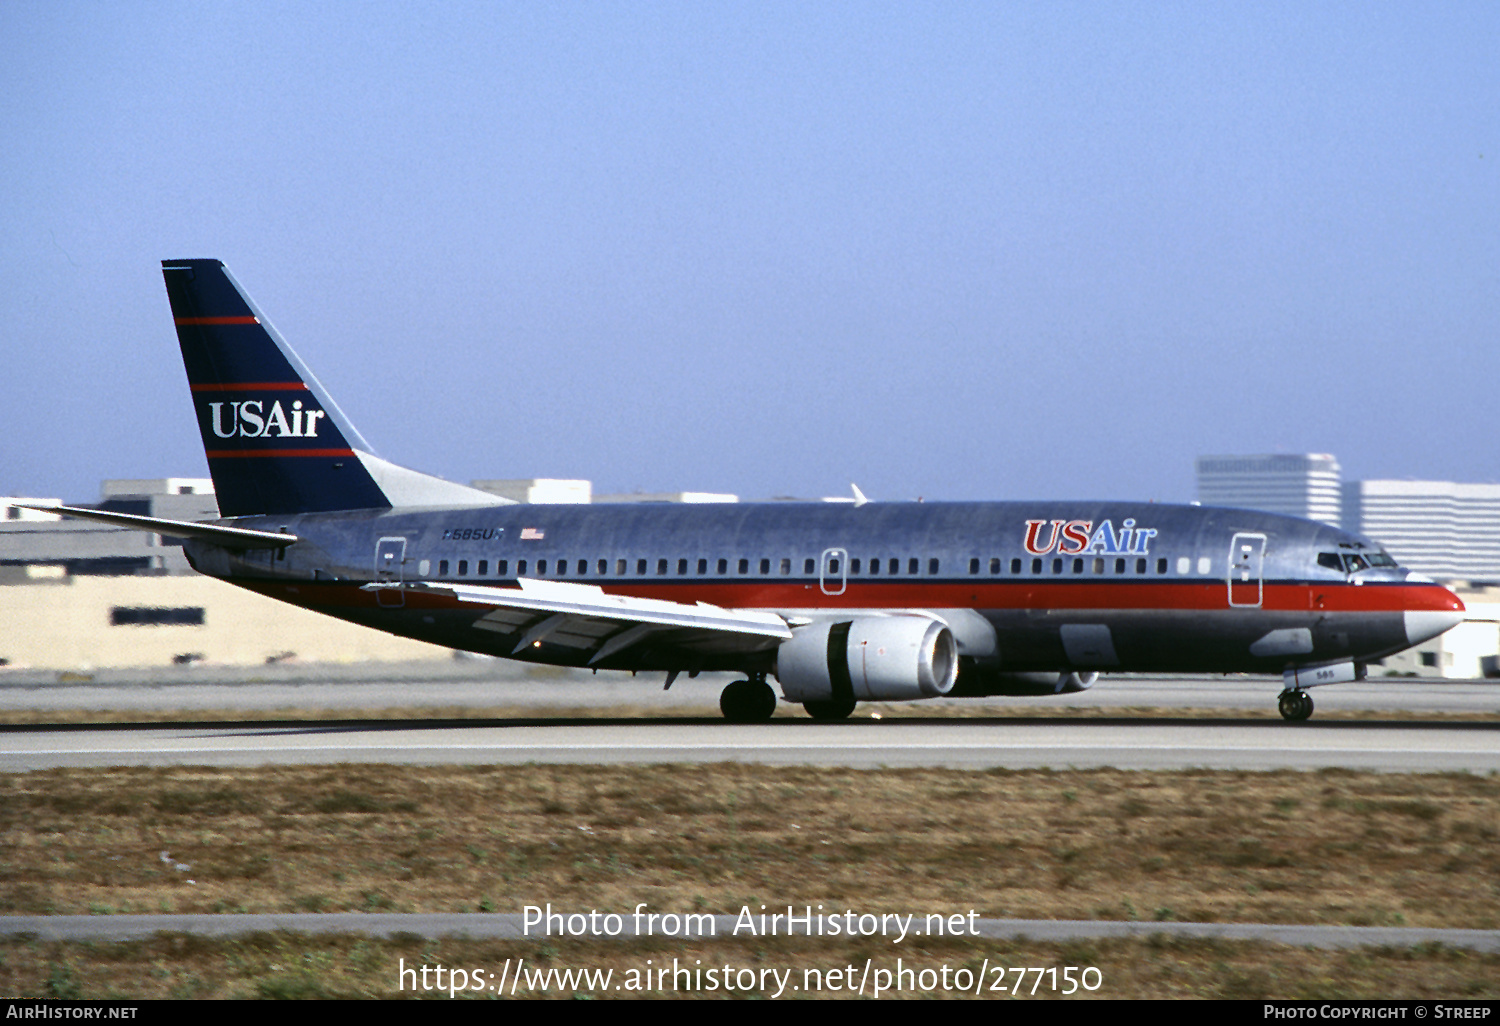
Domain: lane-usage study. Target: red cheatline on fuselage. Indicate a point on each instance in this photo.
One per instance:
(214, 321)
(251, 386)
(1193, 596)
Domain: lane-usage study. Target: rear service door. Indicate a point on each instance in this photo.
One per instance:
(390, 557)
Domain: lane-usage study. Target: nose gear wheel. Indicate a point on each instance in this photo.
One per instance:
(1295, 706)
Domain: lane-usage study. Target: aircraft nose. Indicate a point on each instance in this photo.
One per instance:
(1435, 610)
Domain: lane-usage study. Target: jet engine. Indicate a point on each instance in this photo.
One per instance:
(870, 659)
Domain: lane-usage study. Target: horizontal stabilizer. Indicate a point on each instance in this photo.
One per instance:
(218, 534)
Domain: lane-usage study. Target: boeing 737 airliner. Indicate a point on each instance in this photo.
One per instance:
(839, 602)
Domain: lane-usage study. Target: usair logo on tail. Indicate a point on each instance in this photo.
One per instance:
(253, 418)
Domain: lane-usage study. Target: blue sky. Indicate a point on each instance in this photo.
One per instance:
(961, 251)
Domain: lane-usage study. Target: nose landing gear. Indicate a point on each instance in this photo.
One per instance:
(1295, 704)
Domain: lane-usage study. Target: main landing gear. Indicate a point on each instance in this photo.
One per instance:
(830, 709)
(748, 701)
(1296, 705)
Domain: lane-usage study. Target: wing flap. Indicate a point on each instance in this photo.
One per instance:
(584, 617)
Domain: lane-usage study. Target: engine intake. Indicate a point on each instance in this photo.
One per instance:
(871, 659)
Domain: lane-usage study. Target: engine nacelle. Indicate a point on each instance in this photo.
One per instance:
(871, 659)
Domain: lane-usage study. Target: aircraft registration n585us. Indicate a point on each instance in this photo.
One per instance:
(839, 602)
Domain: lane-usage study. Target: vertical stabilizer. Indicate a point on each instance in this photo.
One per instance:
(275, 440)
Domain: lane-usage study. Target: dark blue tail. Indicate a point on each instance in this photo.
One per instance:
(275, 441)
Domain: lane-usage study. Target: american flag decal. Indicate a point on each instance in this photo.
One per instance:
(532, 534)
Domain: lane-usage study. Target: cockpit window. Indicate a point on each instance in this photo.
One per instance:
(1330, 560)
(1353, 563)
(1382, 559)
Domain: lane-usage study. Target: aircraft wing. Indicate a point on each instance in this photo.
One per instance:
(219, 534)
(583, 616)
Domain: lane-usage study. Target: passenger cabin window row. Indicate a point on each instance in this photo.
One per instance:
(664, 567)
(857, 567)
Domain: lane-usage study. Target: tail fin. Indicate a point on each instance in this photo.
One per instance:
(275, 440)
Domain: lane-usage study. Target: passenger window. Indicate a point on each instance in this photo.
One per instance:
(894, 567)
(722, 567)
(995, 564)
(1140, 565)
(1204, 566)
(541, 567)
(603, 567)
(932, 566)
(1161, 565)
(620, 566)
(854, 566)
(974, 564)
(702, 568)
(914, 565)
(681, 567)
(1078, 564)
(1057, 564)
(520, 568)
(786, 567)
(442, 568)
(484, 567)
(502, 567)
(661, 566)
(424, 567)
(640, 567)
(1098, 564)
(463, 568)
(874, 566)
(1120, 565)
(765, 566)
(744, 566)
(1184, 565)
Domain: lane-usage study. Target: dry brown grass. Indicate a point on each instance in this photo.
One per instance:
(1327, 847)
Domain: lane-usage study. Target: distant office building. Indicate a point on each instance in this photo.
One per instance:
(1299, 486)
(1446, 530)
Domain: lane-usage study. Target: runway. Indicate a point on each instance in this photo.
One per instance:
(997, 737)
(486, 683)
(965, 744)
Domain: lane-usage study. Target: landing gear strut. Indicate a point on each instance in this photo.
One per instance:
(748, 701)
(1295, 705)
